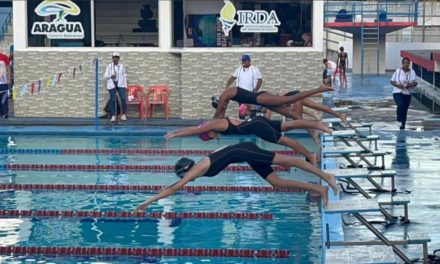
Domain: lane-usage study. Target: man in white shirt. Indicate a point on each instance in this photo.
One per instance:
(248, 77)
(116, 82)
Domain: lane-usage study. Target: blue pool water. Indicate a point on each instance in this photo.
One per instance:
(295, 226)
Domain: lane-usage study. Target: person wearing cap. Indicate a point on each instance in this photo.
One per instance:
(248, 77)
(259, 160)
(116, 82)
(5, 84)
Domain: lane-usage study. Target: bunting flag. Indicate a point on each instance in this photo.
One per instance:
(54, 80)
(92, 64)
(32, 88)
(14, 94)
(49, 82)
(39, 86)
(24, 89)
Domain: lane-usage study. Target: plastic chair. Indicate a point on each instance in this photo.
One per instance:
(160, 94)
(134, 96)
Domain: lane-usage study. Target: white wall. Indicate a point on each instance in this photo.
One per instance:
(393, 59)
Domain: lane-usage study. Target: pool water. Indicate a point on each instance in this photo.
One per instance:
(295, 225)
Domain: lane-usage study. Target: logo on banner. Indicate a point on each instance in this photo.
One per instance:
(251, 21)
(59, 28)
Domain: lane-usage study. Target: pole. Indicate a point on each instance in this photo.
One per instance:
(96, 93)
(424, 21)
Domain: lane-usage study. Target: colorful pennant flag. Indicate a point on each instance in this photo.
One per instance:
(39, 86)
(32, 88)
(24, 89)
(54, 80)
(59, 77)
(14, 94)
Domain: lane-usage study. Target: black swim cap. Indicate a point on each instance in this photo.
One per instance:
(182, 166)
(214, 101)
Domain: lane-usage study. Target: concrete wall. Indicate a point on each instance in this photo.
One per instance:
(193, 78)
(394, 60)
(76, 97)
(370, 57)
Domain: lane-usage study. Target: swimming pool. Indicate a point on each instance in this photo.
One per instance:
(295, 223)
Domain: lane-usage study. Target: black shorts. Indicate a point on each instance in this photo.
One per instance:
(259, 159)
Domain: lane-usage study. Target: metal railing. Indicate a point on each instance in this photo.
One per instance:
(5, 20)
(403, 11)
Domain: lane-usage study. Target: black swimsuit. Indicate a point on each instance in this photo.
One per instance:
(246, 97)
(269, 130)
(259, 159)
(232, 129)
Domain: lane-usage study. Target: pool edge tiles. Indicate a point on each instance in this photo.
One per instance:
(333, 220)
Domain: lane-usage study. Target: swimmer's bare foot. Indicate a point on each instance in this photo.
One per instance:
(343, 117)
(324, 195)
(318, 157)
(323, 127)
(315, 136)
(331, 180)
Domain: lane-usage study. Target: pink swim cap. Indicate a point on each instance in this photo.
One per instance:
(242, 110)
(205, 135)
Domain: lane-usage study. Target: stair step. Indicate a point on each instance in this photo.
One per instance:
(334, 120)
(361, 254)
(342, 150)
(342, 133)
(361, 173)
(352, 206)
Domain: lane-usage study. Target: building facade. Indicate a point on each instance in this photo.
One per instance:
(192, 46)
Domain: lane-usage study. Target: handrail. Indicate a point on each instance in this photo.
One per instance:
(395, 9)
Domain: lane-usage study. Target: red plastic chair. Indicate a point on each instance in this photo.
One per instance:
(135, 96)
(160, 95)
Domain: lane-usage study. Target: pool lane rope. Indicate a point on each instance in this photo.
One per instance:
(167, 152)
(132, 215)
(140, 188)
(114, 168)
(144, 252)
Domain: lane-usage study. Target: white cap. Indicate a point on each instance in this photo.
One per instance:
(116, 54)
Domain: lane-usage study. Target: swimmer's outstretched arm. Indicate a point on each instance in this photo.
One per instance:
(194, 130)
(196, 171)
(223, 102)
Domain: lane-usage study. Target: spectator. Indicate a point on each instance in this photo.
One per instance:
(116, 82)
(342, 65)
(403, 80)
(5, 84)
(329, 67)
(248, 77)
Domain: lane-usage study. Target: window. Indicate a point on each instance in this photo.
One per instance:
(242, 23)
(59, 23)
(123, 23)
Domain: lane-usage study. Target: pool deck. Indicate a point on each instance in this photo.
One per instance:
(415, 151)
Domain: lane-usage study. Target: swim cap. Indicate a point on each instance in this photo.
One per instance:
(214, 101)
(242, 110)
(182, 166)
(205, 135)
